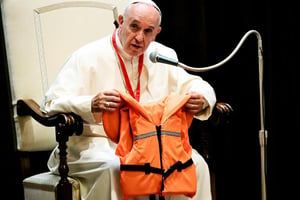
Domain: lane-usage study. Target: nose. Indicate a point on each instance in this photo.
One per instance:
(139, 36)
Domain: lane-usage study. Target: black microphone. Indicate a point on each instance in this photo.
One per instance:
(156, 57)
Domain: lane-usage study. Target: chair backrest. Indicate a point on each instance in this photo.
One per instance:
(39, 36)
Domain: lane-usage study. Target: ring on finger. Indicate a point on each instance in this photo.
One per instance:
(106, 104)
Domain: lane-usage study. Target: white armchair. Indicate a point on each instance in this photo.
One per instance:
(39, 36)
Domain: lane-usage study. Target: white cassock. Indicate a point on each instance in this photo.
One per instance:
(94, 68)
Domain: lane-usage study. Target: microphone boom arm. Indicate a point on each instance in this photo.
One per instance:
(263, 134)
(211, 67)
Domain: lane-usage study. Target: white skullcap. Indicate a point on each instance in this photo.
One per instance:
(150, 2)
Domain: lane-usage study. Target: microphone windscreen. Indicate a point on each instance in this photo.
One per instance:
(153, 56)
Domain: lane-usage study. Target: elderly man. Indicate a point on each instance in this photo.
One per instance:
(88, 85)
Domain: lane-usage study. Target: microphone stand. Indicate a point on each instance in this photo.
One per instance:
(263, 134)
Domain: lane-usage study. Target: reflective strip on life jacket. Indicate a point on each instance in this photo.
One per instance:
(175, 134)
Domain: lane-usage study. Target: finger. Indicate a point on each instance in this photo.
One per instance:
(111, 96)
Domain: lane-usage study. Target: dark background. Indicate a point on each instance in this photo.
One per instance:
(204, 32)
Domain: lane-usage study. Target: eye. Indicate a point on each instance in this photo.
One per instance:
(148, 31)
(134, 26)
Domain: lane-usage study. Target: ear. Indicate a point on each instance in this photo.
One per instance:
(121, 19)
(157, 32)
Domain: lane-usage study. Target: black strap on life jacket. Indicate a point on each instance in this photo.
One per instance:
(179, 166)
(142, 168)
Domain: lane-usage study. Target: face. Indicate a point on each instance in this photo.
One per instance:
(138, 27)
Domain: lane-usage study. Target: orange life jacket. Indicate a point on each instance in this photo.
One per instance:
(153, 146)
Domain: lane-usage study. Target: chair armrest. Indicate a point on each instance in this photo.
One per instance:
(66, 124)
(72, 122)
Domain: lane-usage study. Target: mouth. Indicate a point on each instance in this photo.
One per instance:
(136, 46)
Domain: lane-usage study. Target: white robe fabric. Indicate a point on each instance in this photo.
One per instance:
(94, 68)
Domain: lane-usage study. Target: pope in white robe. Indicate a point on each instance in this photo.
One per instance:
(93, 68)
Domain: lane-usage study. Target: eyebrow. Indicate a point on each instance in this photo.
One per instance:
(138, 22)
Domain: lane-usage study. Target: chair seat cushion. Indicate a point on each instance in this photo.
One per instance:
(42, 186)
